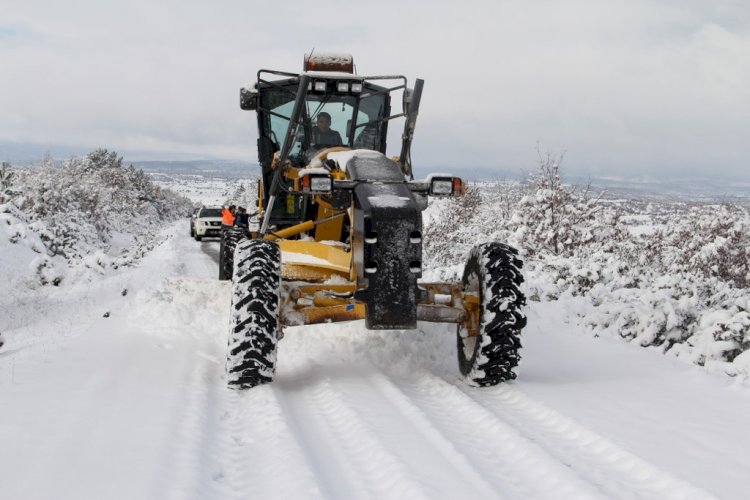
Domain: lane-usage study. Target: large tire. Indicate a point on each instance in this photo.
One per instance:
(254, 324)
(198, 237)
(494, 273)
(229, 239)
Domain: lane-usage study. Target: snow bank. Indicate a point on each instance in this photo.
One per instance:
(60, 224)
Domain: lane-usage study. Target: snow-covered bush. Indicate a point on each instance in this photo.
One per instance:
(6, 181)
(244, 195)
(554, 217)
(87, 205)
(451, 233)
(668, 276)
(710, 241)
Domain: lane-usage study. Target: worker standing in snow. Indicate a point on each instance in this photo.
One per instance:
(227, 217)
(241, 218)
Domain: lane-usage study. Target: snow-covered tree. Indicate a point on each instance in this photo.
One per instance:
(77, 206)
(449, 237)
(710, 241)
(555, 217)
(6, 181)
(243, 196)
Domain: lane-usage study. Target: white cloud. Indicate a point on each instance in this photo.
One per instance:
(625, 87)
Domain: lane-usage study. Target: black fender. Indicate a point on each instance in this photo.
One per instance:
(387, 242)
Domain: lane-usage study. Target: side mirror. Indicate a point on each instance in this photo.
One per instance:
(249, 98)
(408, 93)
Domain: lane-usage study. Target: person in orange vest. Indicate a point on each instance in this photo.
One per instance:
(227, 217)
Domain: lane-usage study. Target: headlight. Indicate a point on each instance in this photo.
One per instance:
(441, 187)
(320, 86)
(317, 184)
(321, 184)
(356, 87)
(342, 87)
(446, 186)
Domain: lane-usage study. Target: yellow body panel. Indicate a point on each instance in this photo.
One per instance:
(291, 272)
(322, 260)
(344, 312)
(331, 230)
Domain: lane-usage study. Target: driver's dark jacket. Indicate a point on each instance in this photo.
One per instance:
(331, 137)
(241, 220)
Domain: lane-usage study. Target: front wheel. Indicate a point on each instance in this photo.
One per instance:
(490, 340)
(230, 236)
(254, 323)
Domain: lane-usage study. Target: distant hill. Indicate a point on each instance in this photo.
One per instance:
(685, 189)
(225, 169)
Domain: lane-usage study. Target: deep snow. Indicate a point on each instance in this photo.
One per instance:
(134, 405)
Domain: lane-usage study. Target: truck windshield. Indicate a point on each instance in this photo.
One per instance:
(210, 212)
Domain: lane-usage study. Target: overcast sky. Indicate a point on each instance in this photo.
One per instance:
(626, 87)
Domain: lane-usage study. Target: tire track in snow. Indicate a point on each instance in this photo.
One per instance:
(404, 429)
(237, 444)
(189, 371)
(193, 464)
(619, 473)
(511, 465)
(347, 454)
(259, 453)
(211, 248)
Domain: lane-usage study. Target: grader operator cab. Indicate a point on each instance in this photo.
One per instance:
(339, 235)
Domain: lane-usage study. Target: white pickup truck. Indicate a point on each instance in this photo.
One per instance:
(207, 223)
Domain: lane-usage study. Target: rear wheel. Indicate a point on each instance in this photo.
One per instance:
(254, 324)
(490, 341)
(229, 239)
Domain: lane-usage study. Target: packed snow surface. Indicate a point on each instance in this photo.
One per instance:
(135, 405)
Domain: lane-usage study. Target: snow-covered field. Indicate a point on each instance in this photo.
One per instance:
(112, 386)
(208, 191)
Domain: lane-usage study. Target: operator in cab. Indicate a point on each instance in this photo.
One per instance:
(323, 134)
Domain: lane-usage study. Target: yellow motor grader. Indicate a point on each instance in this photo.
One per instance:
(339, 232)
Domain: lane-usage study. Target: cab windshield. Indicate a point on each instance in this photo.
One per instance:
(329, 120)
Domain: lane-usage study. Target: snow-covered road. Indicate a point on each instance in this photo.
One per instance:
(134, 405)
(211, 248)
